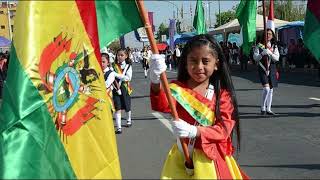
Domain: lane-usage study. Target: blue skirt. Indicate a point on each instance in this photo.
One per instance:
(123, 101)
(271, 79)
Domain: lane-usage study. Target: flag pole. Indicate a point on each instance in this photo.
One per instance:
(265, 35)
(164, 81)
(264, 23)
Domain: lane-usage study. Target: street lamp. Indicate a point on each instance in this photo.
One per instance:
(219, 13)
(177, 18)
(210, 12)
(173, 10)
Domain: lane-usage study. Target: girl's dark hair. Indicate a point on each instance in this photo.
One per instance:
(273, 41)
(274, 38)
(105, 55)
(128, 60)
(221, 78)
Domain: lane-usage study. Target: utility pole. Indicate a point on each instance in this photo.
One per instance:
(173, 13)
(209, 16)
(219, 13)
(9, 21)
(191, 17)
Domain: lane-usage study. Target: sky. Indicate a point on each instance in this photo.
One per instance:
(163, 10)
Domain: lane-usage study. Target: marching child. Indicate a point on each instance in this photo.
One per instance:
(267, 72)
(207, 107)
(146, 54)
(123, 74)
(109, 77)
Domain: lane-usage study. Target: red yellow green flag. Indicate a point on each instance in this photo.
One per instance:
(312, 28)
(111, 24)
(55, 120)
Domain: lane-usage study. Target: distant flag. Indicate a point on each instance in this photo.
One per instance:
(150, 16)
(246, 14)
(181, 12)
(172, 31)
(116, 18)
(199, 21)
(312, 28)
(55, 120)
(270, 22)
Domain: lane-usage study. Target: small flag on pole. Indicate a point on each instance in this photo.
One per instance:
(246, 14)
(199, 21)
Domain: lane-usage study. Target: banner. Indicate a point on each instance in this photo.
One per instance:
(150, 15)
(172, 30)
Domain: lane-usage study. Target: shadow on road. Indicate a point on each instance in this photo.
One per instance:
(296, 77)
(248, 89)
(285, 106)
(289, 114)
(144, 118)
(297, 166)
(140, 97)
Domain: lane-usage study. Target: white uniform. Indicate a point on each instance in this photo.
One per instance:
(110, 79)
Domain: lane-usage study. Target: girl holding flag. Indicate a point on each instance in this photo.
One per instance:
(206, 104)
(123, 74)
(267, 71)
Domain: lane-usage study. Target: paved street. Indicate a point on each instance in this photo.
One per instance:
(282, 147)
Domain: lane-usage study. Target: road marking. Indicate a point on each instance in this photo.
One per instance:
(171, 71)
(313, 98)
(163, 120)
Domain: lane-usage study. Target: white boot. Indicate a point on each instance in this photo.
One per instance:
(265, 92)
(117, 115)
(129, 122)
(145, 73)
(269, 102)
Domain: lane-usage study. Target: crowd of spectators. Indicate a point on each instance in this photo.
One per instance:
(4, 61)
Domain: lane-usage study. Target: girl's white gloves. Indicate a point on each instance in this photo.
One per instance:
(183, 129)
(120, 76)
(266, 52)
(157, 66)
(119, 92)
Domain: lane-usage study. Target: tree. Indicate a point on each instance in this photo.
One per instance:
(286, 10)
(163, 30)
(225, 17)
(178, 27)
(115, 45)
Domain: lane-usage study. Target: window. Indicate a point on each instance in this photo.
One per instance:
(1, 12)
(3, 27)
(12, 28)
(12, 13)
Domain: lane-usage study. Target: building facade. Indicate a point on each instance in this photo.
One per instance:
(7, 14)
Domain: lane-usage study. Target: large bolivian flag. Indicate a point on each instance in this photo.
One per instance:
(55, 120)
